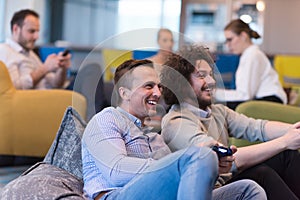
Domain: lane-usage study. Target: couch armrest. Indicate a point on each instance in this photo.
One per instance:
(33, 118)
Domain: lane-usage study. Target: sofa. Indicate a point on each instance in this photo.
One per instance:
(29, 119)
(59, 175)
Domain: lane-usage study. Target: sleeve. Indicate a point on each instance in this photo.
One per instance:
(22, 78)
(182, 131)
(103, 139)
(243, 127)
(18, 66)
(248, 79)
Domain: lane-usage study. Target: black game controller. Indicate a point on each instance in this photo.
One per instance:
(66, 52)
(222, 151)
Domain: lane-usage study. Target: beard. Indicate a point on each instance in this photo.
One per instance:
(26, 44)
(204, 103)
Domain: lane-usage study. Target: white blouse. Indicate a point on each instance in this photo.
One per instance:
(255, 78)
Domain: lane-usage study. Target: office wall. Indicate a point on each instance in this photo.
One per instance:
(11, 6)
(281, 27)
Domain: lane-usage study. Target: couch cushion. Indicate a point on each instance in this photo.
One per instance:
(44, 181)
(65, 151)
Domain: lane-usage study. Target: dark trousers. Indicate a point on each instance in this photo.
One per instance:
(279, 176)
(233, 104)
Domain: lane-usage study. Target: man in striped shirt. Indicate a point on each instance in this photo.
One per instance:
(123, 159)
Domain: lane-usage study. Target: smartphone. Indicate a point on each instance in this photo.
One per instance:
(222, 151)
(66, 52)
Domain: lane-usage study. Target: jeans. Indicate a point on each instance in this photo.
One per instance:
(186, 174)
(240, 190)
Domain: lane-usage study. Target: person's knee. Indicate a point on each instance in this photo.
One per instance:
(252, 190)
(204, 157)
(264, 171)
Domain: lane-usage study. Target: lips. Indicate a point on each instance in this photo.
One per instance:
(152, 102)
(207, 89)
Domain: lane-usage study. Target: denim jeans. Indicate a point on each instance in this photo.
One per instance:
(240, 190)
(186, 174)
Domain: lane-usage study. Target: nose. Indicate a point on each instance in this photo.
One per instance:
(156, 91)
(36, 35)
(210, 80)
(170, 44)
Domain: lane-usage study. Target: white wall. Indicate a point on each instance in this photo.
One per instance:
(282, 27)
(281, 23)
(11, 6)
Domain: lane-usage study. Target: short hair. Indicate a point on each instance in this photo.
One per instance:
(19, 17)
(176, 73)
(163, 30)
(238, 26)
(122, 73)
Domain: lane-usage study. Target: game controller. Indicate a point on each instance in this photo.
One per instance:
(222, 151)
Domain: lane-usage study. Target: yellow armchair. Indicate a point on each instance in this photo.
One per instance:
(29, 119)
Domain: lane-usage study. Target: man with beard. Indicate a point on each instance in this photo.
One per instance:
(193, 120)
(123, 158)
(26, 69)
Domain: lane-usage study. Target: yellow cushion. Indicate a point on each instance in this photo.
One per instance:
(288, 70)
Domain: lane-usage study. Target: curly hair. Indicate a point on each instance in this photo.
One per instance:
(176, 73)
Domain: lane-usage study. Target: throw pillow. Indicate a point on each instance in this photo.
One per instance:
(65, 151)
(44, 181)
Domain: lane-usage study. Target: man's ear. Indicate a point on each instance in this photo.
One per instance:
(124, 93)
(16, 28)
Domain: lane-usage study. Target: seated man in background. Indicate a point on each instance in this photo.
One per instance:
(25, 67)
(123, 159)
(194, 120)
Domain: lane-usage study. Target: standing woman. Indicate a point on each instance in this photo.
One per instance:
(255, 77)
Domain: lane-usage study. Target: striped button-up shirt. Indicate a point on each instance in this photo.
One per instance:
(115, 148)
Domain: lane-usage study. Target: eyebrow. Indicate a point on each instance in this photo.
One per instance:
(151, 82)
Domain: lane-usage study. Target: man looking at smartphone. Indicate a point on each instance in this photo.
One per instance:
(26, 69)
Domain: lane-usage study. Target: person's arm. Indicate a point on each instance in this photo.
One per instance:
(58, 77)
(283, 136)
(103, 138)
(180, 132)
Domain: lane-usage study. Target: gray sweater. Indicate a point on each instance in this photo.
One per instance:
(184, 125)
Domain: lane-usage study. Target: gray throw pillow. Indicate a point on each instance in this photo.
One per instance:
(65, 151)
(44, 181)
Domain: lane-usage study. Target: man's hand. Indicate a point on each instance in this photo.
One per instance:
(51, 63)
(64, 61)
(291, 140)
(297, 125)
(225, 163)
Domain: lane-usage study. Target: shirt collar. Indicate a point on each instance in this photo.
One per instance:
(197, 111)
(132, 118)
(16, 46)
